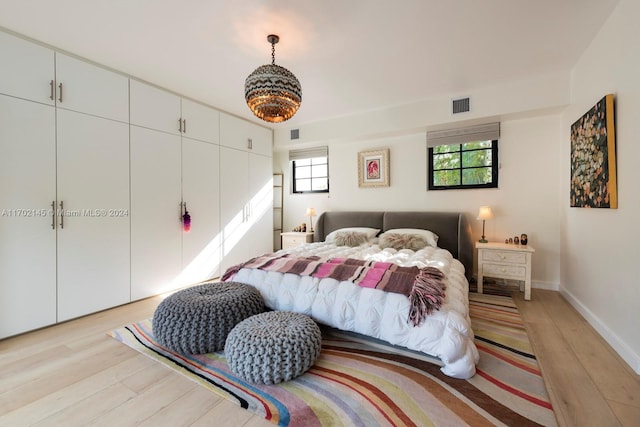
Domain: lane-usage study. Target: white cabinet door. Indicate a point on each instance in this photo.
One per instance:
(93, 233)
(243, 135)
(261, 140)
(154, 108)
(26, 70)
(27, 238)
(261, 202)
(200, 122)
(91, 89)
(156, 229)
(234, 188)
(233, 132)
(201, 192)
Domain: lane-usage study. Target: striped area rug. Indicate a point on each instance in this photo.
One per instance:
(362, 382)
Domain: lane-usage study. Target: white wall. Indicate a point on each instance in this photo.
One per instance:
(525, 202)
(599, 267)
(588, 253)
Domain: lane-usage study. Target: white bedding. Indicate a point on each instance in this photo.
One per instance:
(446, 333)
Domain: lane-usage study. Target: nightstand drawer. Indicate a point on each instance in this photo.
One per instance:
(505, 271)
(296, 240)
(507, 257)
(292, 239)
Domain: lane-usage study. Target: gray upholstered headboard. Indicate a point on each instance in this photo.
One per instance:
(452, 228)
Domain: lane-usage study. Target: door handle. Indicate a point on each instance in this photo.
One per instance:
(60, 92)
(53, 213)
(62, 215)
(52, 90)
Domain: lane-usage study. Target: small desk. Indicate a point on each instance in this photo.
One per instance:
(505, 261)
(292, 239)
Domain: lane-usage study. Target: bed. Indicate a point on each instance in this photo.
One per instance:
(445, 332)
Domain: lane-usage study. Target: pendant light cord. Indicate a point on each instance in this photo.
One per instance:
(273, 53)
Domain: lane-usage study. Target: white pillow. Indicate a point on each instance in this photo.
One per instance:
(429, 236)
(370, 232)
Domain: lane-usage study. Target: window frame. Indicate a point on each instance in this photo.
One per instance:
(294, 180)
(494, 169)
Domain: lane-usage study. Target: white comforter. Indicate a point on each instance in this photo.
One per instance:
(446, 333)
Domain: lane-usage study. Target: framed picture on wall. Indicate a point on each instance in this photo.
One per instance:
(593, 158)
(373, 168)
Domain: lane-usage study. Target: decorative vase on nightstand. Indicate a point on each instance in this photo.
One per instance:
(524, 239)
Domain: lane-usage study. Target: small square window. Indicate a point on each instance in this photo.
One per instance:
(310, 175)
(468, 165)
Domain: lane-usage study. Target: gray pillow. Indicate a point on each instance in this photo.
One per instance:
(350, 238)
(402, 241)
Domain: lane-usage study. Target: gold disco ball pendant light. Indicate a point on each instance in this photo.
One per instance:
(272, 92)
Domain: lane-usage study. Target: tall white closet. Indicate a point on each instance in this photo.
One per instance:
(246, 188)
(97, 170)
(174, 161)
(65, 163)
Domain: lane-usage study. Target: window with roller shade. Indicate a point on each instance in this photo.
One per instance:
(310, 170)
(463, 158)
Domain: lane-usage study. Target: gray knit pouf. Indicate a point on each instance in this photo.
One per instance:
(272, 347)
(197, 320)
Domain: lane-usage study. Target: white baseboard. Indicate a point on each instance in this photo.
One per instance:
(623, 350)
(545, 285)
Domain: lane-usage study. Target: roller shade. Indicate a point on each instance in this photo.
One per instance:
(484, 132)
(308, 153)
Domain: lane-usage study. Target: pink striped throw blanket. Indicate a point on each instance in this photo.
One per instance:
(424, 287)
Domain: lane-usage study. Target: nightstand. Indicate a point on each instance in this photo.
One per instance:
(292, 239)
(505, 261)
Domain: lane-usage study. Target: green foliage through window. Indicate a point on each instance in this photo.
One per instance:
(468, 165)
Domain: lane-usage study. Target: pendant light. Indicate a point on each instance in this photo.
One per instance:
(272, 92)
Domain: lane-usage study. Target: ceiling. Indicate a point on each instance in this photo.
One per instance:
(349, 55)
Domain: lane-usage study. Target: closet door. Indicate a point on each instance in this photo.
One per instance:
(201, 246)
(154, 108)
(234, 190)
(90, 89)
(93, 231)
(261, 204)
(200, 122)
(28, 239)
(156, 230)
(27, 70)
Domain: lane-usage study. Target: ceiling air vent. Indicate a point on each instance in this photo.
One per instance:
(295, 134)
(460, 106)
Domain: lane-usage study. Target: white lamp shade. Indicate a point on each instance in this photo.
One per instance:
(310, 212)
(485, 212)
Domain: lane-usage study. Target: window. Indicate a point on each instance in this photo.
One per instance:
(310, 170)
(464, 157)
(467, 165)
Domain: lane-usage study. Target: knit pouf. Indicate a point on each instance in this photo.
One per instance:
(197, 320)
(272, 347)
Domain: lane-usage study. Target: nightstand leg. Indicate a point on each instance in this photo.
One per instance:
(527, 289)
(479, 282)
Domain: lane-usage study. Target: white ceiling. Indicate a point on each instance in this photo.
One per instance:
(349, 55)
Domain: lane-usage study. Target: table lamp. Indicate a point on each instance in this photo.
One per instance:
(311, 212)
(484, 213)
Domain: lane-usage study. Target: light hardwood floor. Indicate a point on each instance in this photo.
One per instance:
(74, 374)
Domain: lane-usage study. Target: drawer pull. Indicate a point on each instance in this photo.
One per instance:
(503, 270)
